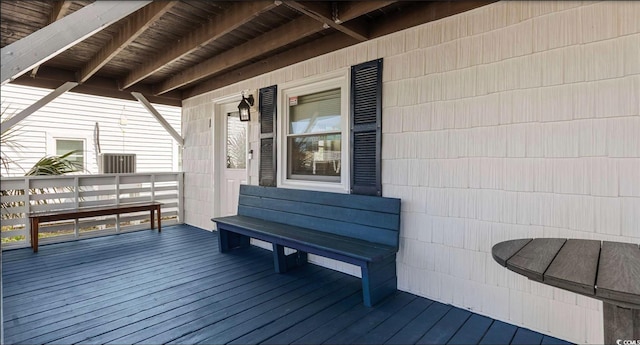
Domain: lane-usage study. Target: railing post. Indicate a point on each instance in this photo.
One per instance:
(117, 202)
(27, 206)
(152, 178)
(180, 181)
(76, 198)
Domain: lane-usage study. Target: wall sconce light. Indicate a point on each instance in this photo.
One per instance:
(244, 107)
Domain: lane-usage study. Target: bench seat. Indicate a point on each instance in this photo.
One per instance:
(350, 249)
(356, 229)
(36, 218)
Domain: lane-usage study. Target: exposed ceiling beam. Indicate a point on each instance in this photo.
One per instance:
(306, 51)
(12, 121)
(236, 15)
(133, 27)
(60, 9)
(422, 13)
(28, 52)
(276, 38)
(415, 15)
(348, 10)
(51, 78)
(323, 13)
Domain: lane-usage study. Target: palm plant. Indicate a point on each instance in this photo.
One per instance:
(55, 165)
(49, 165)
(8, 140)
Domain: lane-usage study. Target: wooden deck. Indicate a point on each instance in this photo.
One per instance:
(174, 287)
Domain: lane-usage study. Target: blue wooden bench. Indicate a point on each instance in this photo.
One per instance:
(361, 230)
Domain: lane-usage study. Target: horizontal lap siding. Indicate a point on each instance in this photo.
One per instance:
(74, 116)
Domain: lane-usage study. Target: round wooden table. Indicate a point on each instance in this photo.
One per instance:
(608, 271)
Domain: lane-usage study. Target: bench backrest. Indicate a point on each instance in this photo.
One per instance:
(370, 218)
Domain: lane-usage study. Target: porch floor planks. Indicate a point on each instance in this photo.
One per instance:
(111, 294)
(192, 322)
(121, 315)
(88, 278)
(174, 287)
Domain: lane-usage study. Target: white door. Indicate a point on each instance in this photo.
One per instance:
(234, 155)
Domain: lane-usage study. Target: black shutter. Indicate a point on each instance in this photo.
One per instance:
(267, 108)
(366, 128)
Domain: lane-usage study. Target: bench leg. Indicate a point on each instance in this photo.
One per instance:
(283, 263)
(35, 224)
(153, 221)
(228, 240)
(379, 280)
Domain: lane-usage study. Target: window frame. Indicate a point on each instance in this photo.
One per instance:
(339, 79)
(83, 151)
(52, 138)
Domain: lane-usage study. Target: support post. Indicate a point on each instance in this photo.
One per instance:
(158, 117)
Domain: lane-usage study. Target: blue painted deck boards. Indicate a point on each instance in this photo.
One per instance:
(174, 287)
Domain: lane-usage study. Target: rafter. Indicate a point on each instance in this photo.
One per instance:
(348, 10)
(421, 13)
(23, 55)
(51, 78)
(60, 9)
(134, 26)
(323, 13)
(276, 38)
(236, 15)
(306, 51)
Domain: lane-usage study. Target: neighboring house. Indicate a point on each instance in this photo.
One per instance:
(512, 120)
(69, 123)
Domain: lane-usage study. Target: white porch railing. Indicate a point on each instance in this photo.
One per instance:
(23, 195)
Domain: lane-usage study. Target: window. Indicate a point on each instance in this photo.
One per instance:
(64, 146)
(324, 133)
(314, 140)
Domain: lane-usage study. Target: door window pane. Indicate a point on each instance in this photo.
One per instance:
(236, 142)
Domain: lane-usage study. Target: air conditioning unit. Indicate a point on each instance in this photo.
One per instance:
(117, 163)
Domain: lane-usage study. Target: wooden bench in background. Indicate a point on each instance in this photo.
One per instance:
(361, 230)
(84, 212)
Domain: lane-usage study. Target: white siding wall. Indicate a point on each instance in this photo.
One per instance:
(517, 119)
(197, 163)
(73, 115)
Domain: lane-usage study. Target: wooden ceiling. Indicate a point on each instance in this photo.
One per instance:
(173, 50)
